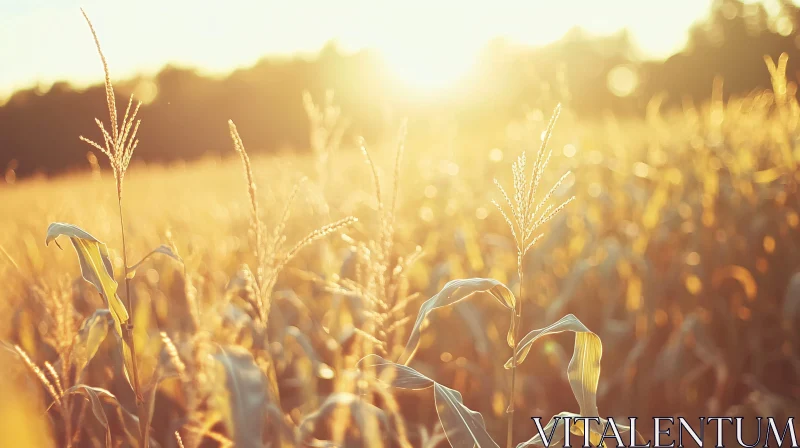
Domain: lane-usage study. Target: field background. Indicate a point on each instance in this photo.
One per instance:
(681, 251)
(682, 259)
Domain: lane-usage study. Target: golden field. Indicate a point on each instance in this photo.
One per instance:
(680, 251)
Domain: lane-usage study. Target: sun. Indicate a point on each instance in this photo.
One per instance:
(428, 67)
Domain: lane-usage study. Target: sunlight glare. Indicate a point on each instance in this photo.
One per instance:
(428, 68)
(425, 44)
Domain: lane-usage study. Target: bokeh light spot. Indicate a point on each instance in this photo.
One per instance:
(622, 80)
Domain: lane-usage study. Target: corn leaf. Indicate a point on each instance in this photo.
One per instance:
(583, 373)
(371, 421)
(165, 369)
(321, 369)
(93, 394)
(105, 404)
(462, 426)
(473, 318)
(127, 359)
(86, 343)
(584, 367)
(95, 264)
(243, 396)
(162, 249)
(453, 292)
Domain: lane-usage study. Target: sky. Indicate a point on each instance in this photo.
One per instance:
(42, 41)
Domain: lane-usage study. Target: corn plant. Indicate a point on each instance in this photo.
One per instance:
(463, 426)
(96, 266)
(236, 369)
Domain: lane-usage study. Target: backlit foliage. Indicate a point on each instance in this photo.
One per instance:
(678, 250)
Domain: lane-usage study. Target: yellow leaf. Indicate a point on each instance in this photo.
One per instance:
(584, 367)
(91, 253)
(95, 267)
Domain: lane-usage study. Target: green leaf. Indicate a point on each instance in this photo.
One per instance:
(95, 264)
(453, 292)
(462, 426)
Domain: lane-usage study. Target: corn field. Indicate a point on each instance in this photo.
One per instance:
(393, 293)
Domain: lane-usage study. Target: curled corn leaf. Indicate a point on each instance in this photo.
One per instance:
(462, 426)
(584, 367)
(95, 266)
(453, 292)
(583, 373)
